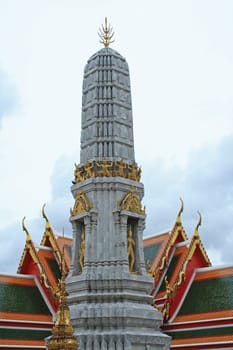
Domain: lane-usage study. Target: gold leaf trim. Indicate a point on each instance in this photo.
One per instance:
(82, 204)
(131, 202)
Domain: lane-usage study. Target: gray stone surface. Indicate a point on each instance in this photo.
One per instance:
(107, 124)
(110, 306)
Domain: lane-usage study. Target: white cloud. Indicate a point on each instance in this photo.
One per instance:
(182, 85)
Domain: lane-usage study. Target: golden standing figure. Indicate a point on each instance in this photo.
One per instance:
(131, 247)
(78, 174)
(82, 249)
(132, 174)
(138, 176)
(89, 169)
(105, 165)
(121, 167)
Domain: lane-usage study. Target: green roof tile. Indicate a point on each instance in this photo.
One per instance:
(19, 298)
(201, 332)
(151, 251)
(29, 334)
(69, 249)
(170, 270)
(209, 295)
(55, 268)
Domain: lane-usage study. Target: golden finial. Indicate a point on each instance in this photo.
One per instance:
(196, 233)
(62, 332)
(45, 217)
(63, 265)
(106, 34)
(178, 220)
(26, 230)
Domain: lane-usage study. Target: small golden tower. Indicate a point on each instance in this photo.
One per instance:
(62, 333)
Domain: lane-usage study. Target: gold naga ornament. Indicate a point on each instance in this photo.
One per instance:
(30, 248)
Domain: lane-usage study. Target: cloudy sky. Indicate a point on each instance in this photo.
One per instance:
(180, 55)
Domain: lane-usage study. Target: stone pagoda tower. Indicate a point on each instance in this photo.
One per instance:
(109, 289)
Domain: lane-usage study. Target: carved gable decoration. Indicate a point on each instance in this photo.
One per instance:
(81, 205)
(131, 202)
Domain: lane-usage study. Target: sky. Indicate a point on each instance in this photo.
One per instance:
(180, 56)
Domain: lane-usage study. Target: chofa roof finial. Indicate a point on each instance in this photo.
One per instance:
(45, 217)
(106, 34)
(196, 233)
(28, 237)
(178, 219)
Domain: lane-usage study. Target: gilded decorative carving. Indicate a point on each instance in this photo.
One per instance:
(173, 237)
(106, 34)
(132, 203)
(49, 235)
(149, 269)
(131, 248)
(62, 332)
(82, 249)
(170, 294)
(81, 205)
(29, 247)
(107, 168)
(193, 245)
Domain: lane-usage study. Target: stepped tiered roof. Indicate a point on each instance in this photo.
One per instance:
(196, 299)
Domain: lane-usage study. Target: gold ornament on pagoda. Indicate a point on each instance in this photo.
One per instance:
(131, 202)
(82, 249)
(106, 168)
(106, 33)
(131, 249)
(82, 204)
(62, 332)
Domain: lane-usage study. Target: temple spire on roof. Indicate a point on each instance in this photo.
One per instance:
(62, 332)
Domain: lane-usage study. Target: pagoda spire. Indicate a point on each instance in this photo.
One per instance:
(62, 333)
(109, 289)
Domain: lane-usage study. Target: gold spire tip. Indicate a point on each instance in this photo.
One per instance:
(106, 33)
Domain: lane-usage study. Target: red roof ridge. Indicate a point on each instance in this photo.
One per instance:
(50, 239)
(177, 229)
(30, 249)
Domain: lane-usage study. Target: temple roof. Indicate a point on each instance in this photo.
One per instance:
(194, 297)
(25, 313)
(213, 288)
(205, 315)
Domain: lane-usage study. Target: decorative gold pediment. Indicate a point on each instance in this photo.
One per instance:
(131, 202)
(81, 205)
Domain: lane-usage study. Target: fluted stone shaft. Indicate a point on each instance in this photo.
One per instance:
(107, 125)
(109, 290)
